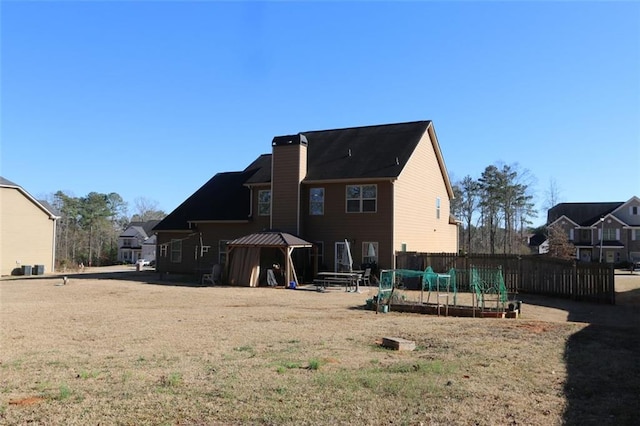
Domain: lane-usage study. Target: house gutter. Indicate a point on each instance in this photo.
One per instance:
(53, 251)
(195, 222)
(351, 180)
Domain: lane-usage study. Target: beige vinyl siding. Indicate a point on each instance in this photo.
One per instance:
(27, 233)
(415, 192)
(288, 170)
(336, 225)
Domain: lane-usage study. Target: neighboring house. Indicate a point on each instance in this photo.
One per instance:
(27, 230)
(606, 232)
(137, 242)
(383, 188)
(538, 243)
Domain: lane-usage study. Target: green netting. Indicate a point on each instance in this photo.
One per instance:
(486, 285)
(429, 281)
(486, 282)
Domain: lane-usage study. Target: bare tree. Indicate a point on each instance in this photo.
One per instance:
(466, 206)
(146, 209)
(552, 195)
(559, 245)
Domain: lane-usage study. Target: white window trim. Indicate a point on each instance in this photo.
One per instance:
(361, 199)
(260, 213)
(311, 202)
(365, 252)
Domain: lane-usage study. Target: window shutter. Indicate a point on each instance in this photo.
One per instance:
(618, 234)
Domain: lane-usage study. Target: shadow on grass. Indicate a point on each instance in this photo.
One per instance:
(146, 276)
(602, 360)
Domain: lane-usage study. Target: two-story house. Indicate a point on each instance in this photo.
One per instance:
(601, 232)
(382, 188)
(27, 230)
(137, 242)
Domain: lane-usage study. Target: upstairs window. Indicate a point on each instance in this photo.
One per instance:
(634, 210)
(362, 198)
(126, 242)
(316, 201)
(264, 202)
(585, 235)
(610, 234)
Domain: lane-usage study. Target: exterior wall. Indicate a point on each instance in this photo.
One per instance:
(336, 225)
(149, 252)
(192, 261)
(612, 253)
(631, 234)
(626, 215)
(26, 231)
(288, 169)
(415, 193)
(633, 243)
(260, 223)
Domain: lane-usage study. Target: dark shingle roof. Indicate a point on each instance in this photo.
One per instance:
(584, 214)
(362, 152)
(223, 197)
(355, 152)
(262, 168)
(371, 152)
(147, 227)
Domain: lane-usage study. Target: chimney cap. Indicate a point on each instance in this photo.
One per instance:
(298, 139)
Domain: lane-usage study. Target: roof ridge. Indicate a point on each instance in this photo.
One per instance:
(367, 126)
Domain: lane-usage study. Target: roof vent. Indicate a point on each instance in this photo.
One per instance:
(397, 161)
(349, 152)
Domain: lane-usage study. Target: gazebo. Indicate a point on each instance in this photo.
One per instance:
(245, 252)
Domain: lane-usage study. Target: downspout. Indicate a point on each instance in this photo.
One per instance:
(53, 252)
(271, 195)
(393, 225)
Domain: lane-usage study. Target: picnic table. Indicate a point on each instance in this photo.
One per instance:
(348, 279)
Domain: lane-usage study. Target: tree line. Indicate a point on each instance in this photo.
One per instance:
(495, 210)
(88, 229)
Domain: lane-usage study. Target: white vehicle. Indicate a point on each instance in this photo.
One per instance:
(143, 262)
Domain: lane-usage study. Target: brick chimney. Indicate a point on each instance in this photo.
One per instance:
(288, 169)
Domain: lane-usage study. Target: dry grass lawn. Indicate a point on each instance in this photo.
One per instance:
(125, 348)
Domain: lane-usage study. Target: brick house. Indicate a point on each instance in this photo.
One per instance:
(607, 232)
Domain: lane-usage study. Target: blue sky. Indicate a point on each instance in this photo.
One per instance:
(151, 99)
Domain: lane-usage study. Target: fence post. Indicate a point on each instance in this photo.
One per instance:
(574, 280)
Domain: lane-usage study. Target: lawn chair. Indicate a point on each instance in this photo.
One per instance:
(213, 277)
(271, 278)
(366, 277)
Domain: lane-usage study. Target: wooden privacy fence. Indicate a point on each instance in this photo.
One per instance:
(593, 282)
